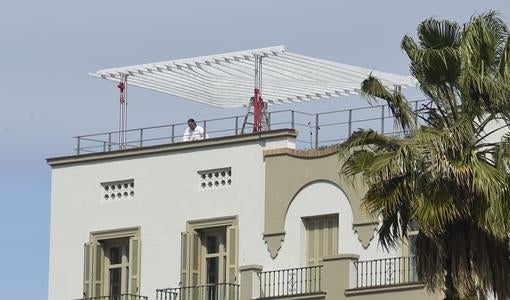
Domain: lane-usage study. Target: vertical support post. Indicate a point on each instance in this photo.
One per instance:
(123, 111)
(349, 123)
(237, 125)
(415, 113)
(78, 146)
(382, 119)
(258, 104)
(141, 137)
(109, 141)
(250, 282)
(292, 123)
(205, 128)
(317, 131)
(172, 138)
(104, 146)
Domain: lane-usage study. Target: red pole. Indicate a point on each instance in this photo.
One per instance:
(258, 105)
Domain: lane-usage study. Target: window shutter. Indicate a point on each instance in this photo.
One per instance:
(184, 259)
(333, 229)
(87, 270)
(310, 242)
(232, 253)
(195, 258)
(134, 265)
(97, 273)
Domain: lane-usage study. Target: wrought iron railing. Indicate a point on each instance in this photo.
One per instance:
(288, 282)
(314, 130)
(116, 297)
(216, 291)
(387, 271)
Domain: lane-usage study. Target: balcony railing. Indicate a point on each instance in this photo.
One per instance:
(290, 282)
(315, 130)
(217, 291)
(116, 297)
(384, 272)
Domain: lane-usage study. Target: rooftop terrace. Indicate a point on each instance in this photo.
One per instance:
(314, 129)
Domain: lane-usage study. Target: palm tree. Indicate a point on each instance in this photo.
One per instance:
(447, 172)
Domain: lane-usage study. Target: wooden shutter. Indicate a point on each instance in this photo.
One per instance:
(98, 269)
(87, 269)
(332, 236)
(134, 265)
(194, 259)
(310, 242)
(93, 270)
(184, 259)
(232, 253)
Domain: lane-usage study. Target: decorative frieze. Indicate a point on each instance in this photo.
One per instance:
(215, 178)
(118, 190)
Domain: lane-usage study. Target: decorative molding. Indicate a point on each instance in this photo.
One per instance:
(118, 190)
(274, 242)
(215, 178)
(366, 232)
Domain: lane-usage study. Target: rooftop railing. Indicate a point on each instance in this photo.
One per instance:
(213, 291)
(116, 297)
(314, 130)
(384, 272)
(290, 282)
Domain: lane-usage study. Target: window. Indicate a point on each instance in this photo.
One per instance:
(112, 264)
(209, 253)
(321, 237)
(409, 250)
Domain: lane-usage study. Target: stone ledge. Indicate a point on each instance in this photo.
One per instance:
(302, 153)
(383, 289)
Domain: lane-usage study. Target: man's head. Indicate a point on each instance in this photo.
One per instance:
(192, 124)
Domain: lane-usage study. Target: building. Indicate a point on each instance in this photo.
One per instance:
(234, 216)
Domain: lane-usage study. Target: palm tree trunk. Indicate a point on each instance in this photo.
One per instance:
(450, 292)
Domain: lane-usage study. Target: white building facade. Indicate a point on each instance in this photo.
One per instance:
(202, 217)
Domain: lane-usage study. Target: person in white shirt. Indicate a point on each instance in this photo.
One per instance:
(194, 132)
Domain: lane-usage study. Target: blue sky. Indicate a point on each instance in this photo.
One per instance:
(48, 47)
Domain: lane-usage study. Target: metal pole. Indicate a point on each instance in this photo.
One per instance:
(382, 119)
(78, 146)
(205, 128)
(237, 125)
(141, 137)
(109, 141)
(415, 111)
(317, 131)
(173, 134)
(292, 119)
(350, 122)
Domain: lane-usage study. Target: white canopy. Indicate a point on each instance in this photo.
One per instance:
(227, 80)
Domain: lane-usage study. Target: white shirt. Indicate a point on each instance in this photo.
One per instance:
(194, 135)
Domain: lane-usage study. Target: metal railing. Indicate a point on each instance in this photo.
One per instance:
(288, 282)
(116, 297)
(314, 130)
(388, 271)
(216, 291)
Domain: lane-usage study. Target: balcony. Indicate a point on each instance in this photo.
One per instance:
(290, 282)
(339, 277)
(386, 272)
(217, 291)
(314, 130)
(117, 297)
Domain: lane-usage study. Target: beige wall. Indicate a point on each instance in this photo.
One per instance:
(288, 171)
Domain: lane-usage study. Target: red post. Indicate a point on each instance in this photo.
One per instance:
(258, 106)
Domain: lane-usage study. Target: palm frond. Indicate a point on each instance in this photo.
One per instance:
(404, 116)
